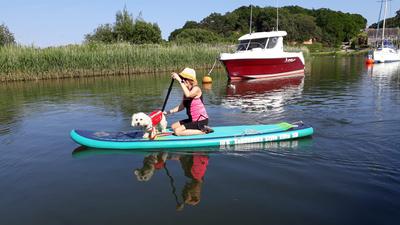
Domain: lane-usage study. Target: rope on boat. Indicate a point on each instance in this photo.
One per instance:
(212, 68)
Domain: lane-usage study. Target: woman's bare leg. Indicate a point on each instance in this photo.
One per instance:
(175, 125)
(182, 131)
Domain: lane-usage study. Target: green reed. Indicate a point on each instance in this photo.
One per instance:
(31, 63)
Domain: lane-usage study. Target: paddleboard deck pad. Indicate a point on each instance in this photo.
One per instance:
(222, 136)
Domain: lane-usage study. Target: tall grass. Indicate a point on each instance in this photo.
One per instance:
(30, 63)
(301, 48)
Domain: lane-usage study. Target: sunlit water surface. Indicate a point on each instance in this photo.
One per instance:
(347, 173)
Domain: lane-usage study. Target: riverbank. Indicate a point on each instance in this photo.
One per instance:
(341, 52)
(29, 63)
(19, 63)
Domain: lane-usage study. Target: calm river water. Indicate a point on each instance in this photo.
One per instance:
(347, 173)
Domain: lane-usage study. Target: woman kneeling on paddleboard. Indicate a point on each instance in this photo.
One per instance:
(197, 123)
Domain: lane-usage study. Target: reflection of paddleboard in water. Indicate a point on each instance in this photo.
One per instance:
(262, 95)
(222, 136)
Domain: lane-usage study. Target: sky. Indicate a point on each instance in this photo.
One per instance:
(46, 23)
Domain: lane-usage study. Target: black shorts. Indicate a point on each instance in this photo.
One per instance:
(195, 125)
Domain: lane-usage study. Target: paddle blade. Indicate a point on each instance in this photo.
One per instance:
(285, 126)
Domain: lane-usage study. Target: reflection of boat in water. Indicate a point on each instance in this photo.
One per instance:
(263, 95)
(383, 70)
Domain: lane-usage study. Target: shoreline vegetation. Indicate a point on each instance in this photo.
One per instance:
(20, 63)
(133, 46)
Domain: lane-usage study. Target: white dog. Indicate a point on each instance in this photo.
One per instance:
(151, 163)
(151, 124)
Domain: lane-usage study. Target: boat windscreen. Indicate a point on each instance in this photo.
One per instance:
(251, 43)
(272, 42)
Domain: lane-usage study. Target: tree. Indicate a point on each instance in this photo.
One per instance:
(6, 37)
(197, 36)
(329, 27)
(145, 33)
(124, 26)
(188, 25)
(104, 33)
(300, 27)
(126, 29)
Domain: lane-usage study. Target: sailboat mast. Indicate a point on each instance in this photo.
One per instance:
(378, 25)
(384, 24)
(277, 16)
(251, 17)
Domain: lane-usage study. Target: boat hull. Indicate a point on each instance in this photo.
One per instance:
(386, 55)
(238, 69)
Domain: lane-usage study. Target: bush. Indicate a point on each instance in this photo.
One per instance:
(315, 47)
(197, 35)
(125, 29)
(6, 37)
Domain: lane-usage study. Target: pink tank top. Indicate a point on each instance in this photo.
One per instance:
(197, 110)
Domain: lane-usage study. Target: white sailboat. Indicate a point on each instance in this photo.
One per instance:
(386, 52)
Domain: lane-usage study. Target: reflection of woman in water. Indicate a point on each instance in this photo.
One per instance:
(195, 167)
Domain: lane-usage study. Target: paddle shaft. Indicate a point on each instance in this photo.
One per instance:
(171, 182)
(166, 97)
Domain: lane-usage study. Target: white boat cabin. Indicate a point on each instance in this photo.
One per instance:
(262, 40)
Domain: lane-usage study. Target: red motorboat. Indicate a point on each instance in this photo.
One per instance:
(261, 55)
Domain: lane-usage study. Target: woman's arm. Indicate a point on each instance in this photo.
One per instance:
(188, 93)
(177, 108)
(192, 93)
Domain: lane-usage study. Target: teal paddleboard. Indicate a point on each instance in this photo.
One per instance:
(222, 136)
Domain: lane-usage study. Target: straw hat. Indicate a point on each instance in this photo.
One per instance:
(188, 73)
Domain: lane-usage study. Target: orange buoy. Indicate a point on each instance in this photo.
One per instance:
(369, 61)
(207, 79)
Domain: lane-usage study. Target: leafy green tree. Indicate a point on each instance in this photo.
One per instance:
(126, 29)
(197, 36)
(324, 25)
(191, 24)
(214, 22)
(124, 26)
(6, 37)
(145, 33)
(104, 33)
(188, 25)
(266, 20)
(300, 27)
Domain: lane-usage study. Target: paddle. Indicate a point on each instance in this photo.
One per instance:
(179, 205)
(166, 97)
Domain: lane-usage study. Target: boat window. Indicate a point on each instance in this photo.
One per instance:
(242, 45)
(250, 44)
(257, 43)
(272, 42)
